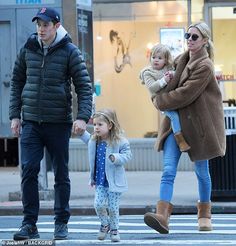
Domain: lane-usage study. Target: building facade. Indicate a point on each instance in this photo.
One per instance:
(15, 28)
(115, 37)
(124, 32)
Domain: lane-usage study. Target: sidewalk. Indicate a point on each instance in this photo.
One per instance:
(141, 196)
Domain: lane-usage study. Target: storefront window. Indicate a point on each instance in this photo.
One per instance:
(197, 10)
(123, 36)
(223, 28)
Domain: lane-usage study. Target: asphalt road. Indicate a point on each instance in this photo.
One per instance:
(83, 231)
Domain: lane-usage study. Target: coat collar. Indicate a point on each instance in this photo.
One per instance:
(33, 44)
(198, 57)
(184, 61)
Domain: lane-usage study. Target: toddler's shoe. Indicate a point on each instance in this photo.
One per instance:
(103, 232)
(115, 236)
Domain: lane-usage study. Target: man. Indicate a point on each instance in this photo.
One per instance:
(41, 97)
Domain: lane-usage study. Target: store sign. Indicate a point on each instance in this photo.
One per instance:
(225, 77)
(24, 2)
(87, 3)
(85, 37)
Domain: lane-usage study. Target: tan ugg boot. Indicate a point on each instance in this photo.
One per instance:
(183, 145)
(159, 221)
(204, 216)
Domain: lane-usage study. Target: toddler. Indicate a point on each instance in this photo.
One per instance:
(108, 152)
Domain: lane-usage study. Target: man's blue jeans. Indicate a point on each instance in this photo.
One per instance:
(55, 137)
(171, 156)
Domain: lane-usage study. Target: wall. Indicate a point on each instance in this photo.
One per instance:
(69, 19)
(144, 157)
(123, 91)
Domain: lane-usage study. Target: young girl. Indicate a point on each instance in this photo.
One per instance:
(155, 77)
(108, 152)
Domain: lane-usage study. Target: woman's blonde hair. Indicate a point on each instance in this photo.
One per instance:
(163, 50)
(109, 116)
(205, 31)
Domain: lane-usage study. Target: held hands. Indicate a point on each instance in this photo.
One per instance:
(79, 126)
(15, 127)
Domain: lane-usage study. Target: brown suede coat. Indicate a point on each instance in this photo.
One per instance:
(195, 93)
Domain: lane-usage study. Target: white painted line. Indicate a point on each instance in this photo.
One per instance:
(74, 230)
(135, 224)
(146, 242)
(152, 242)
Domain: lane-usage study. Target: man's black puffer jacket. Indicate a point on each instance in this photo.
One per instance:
(41, 85)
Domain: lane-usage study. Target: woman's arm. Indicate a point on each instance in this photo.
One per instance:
(187, 93)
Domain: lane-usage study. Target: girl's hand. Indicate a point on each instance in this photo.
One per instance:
(167, 77)
(112, 158)
(170, 74)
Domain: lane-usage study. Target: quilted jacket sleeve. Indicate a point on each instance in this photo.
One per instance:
(82, 83)
(17, 85)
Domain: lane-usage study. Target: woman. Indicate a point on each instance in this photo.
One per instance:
(195, 93)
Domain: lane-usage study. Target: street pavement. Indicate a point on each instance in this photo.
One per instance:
(133, 231)
(142, 195)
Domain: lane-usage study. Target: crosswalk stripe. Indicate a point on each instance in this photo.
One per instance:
(195, 218)
(151, 242)
(215, 217)
(140, 224)
(143, 242)
(143, 231)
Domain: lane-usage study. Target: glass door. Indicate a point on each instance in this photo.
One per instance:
(223, 22)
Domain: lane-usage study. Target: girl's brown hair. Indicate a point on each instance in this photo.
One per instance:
(109, 116)
(165, 51)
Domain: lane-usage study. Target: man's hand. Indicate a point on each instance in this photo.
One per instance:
(15, 127)
(79, 126)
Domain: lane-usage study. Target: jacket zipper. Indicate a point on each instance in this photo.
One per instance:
(40, 92)
(42, 62)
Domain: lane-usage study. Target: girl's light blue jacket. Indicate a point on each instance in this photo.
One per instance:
(115, 171)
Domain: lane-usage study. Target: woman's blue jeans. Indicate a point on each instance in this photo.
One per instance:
(171, 158)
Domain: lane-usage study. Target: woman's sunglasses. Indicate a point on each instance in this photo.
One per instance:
(194, 37)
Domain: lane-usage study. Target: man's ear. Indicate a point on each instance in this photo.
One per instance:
(57, 24)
